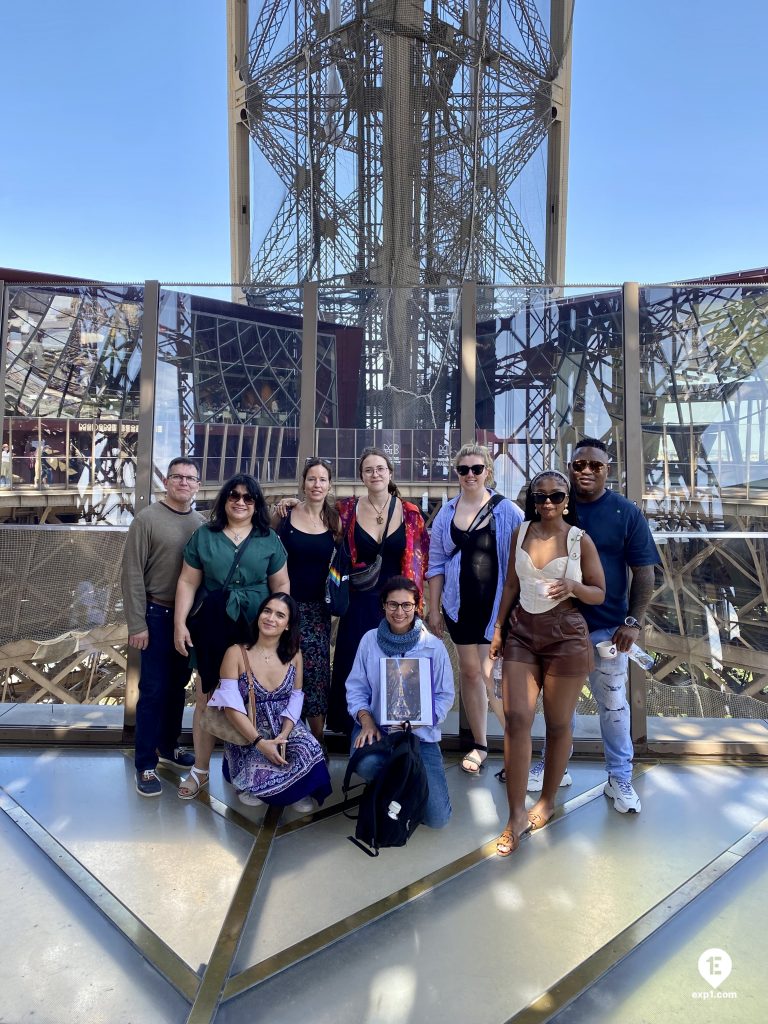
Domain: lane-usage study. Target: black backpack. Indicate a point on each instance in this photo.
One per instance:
(393, 804)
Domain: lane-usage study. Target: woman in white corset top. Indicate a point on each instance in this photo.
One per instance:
(552, 565)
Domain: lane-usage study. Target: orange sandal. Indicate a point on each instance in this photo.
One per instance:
(510, 841)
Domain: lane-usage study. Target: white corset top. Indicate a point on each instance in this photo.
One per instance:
(535, 582)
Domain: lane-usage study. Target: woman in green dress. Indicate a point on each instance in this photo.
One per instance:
(239, 522)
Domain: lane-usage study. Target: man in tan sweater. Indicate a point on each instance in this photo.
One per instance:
(151, 566)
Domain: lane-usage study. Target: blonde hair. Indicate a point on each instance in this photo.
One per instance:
(471, 448)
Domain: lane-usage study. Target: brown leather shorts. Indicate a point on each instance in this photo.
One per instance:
(557, 641)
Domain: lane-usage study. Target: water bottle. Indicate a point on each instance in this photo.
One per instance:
(497, 674)
(394, 809)
(641, 657)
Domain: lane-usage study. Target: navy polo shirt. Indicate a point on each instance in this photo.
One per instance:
(623, 539)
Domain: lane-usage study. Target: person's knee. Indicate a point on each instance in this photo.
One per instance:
(516, 721)
(438, 818)
(557, 730)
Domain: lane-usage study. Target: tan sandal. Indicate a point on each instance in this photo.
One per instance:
(537, 820)
(508, 842)
(186, 792)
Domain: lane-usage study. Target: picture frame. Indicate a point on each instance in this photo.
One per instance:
(405, 693)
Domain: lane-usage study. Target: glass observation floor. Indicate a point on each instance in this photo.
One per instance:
(122, 909)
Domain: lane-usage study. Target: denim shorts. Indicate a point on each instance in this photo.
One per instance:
(556, 640)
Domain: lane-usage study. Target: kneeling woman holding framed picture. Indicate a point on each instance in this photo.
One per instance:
(402, 672)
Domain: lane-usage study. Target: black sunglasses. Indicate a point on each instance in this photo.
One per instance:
(581, 464)
(477, 469)
(556, 497)
(241, 496)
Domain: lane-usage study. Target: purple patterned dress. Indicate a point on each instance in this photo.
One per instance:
(251, 772)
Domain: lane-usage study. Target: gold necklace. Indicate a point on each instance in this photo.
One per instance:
(265, 656)
(379, 511)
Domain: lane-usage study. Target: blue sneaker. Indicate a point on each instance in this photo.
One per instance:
(148, 784)
(180, 758)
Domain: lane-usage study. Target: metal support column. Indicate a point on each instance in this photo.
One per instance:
(468, 394)
(633, 462)
(307, 410)
(144, 464)
(3, 355)
(561, 25)
(239, 166)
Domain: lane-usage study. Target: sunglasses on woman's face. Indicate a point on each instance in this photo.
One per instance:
(241, 496)
(555, 497)
(581, 464)
(477, 469)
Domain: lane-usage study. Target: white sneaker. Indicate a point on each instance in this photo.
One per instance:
(305, 805)
(249, 799)
(625, 799)
(536, 777)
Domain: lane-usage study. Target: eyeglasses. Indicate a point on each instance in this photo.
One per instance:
(241, 496)
(581, 464)
(406, 606)
(181, 479)
(555, 497)
(477, 469)
(375, 470)
(318, 461)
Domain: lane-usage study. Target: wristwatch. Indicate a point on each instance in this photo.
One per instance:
(632, 621)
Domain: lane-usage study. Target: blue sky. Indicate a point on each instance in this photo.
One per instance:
(114, 155)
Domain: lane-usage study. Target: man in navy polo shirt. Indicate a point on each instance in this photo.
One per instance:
(623, 541)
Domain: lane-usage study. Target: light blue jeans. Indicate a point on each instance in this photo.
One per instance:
(437, 813)
(608, 683)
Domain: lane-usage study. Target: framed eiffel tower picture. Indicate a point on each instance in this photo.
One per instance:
(405, 693)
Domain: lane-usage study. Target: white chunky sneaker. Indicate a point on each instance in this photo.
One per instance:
(249, 799)
(536, 777)
(625, 799)
(305, 805)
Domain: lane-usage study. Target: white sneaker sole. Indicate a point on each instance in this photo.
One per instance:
(617, 802)
(536, 785)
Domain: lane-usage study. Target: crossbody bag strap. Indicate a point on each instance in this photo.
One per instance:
(484, 512)
(251, 711)
(235, 561)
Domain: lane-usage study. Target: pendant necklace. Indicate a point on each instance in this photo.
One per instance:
(235, 536)
(266, 657)
(379, 511)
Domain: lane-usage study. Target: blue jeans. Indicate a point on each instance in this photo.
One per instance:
(608, 683)
(164, 675)
(438, 810)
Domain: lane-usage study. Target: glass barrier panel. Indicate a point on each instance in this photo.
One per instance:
(549, 372)
(73, 359)
(63, 638)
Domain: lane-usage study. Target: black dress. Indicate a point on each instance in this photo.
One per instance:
(478, 580)
(364, 613)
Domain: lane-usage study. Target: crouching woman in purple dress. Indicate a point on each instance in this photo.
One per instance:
(284, 763)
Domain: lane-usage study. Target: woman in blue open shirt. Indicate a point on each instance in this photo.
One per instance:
(402, 634)
(468, 557)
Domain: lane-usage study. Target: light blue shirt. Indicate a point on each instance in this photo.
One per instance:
(445, 558)
(364, 681)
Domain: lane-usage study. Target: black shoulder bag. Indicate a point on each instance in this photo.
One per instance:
(367, 578)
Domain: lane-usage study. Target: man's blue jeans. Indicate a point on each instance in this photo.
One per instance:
(164, 675)
(438, 810)
(608, 683)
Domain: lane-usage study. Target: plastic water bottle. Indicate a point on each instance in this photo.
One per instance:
(497, 674)
(641, 657)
